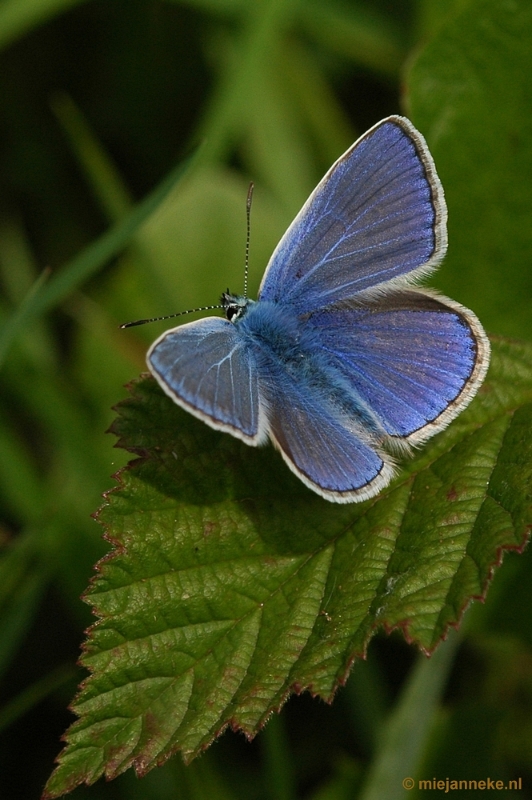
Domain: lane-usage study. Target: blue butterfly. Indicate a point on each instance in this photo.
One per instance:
(341, 360)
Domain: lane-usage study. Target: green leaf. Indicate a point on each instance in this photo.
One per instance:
(230, 585)
(468, 95)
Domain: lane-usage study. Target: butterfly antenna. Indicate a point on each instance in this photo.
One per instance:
(168, 316)
(207, 308)
(248, 218)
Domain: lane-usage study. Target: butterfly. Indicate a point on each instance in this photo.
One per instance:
(341, 361)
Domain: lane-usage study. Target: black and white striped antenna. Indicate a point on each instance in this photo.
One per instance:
(167, 316)
(248, 234)
(208, 308)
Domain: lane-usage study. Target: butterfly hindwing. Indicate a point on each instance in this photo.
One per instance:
(207, 368)
(378, 216)
(328, 456)
(415, 359)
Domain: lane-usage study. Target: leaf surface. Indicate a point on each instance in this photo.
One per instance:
(230, 585)
(467, 93)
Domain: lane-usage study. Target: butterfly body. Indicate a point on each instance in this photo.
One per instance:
(287, 350)
(342, 360)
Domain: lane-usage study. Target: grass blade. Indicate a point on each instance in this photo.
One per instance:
(39, 299)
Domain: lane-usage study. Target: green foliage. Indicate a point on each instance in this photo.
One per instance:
(272, 91)
(41, 297)
(230, 587)
(466, 92)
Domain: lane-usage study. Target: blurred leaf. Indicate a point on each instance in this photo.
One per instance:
(100, 171)
(262, 26)
(325, 118)
(16, 323)
(504, 614)
(369, 701)
(19, 477)
(90, 260)
(292, 117)
(39, 299)
(344, 782)
(207, 255)
(467, 746)
(249, 92)
(17, 263)
(468, 94)
(366, 37)
(231, 585)
(433, 13)
(277, 139)
(217, 6)
(22, 583)
(18, 273)
(17, 17)
(27, 565)
(407, 729)
(34, 694)
(279, 766)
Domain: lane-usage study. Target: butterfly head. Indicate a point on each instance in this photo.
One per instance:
(235, 306)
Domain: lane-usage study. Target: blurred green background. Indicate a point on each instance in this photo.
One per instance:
(100, 101)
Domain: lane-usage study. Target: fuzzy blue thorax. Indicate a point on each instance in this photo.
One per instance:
(286, 344)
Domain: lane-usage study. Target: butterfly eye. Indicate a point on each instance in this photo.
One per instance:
(232, 312)
(234, 306)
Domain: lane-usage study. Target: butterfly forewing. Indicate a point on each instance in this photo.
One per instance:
(208, 368)
(378, 216)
